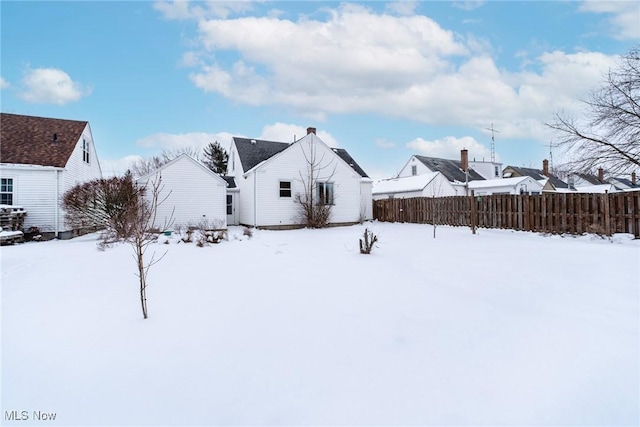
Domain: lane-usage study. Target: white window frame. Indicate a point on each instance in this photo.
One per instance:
(325, 193)
(285, 189)
(6, 190)
(85, 151)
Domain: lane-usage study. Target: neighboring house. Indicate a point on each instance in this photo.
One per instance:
(549, 181)
(40, 159)
(624, 184)
(516, 185)
(190, 194)
(431, 184)
(457, 172)
(488, 170)
(269, 176)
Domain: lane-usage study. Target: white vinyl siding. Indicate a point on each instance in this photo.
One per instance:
(414, 165)
(191, 194)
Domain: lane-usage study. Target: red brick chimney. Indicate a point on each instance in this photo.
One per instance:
(464, 159)
(633, 178)
(311, 130)
(545, 167)
(601, 174)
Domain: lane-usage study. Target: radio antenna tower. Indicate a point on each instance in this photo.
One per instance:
(493, 143)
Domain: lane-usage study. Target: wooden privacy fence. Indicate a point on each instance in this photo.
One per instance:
(547, 213)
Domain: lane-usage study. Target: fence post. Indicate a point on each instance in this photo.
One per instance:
(607, 217)
(474, 212)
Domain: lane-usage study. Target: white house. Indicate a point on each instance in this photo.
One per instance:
(457, 172)
(270, 174)
(189, 192)
(41, 159)
(516, 185)
(430, 184)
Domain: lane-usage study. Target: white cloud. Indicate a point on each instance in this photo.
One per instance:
(449, 147)
(51, 86)
(117, 167)
(624, 18)
(184, 9)
(402, 7)
(3, 83)
(196, 140)
(357, 61)
(283, 132)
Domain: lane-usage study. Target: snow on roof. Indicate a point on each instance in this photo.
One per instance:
(500, 182)
(403, 184)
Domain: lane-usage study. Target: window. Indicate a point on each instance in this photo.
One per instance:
(6, 191)
(496, 171)
(325, 193)
(414, 170)
(85, 150)
(285, 188)
(229, 204)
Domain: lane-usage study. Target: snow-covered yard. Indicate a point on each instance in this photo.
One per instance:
(297, 328)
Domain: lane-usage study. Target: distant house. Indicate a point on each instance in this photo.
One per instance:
(191, 194)
(40, 159)
(457, 172)
(431, 184)
(270, 174)
(549, 181)
(624, 184)
(516, 185)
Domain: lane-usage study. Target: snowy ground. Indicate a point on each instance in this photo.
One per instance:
(298, 328)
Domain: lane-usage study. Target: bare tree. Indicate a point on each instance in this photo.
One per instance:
(317, 198)
(610, 135)
(146, 165)
(143, 231)
(126, 212)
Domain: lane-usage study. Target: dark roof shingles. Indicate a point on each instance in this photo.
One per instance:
(538, 174)
(451, 169)
(30, 140)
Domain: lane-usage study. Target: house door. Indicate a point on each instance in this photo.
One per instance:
(231, 210)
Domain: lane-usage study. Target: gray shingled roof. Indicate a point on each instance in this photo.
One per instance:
(538, 174)
(254, 151)
(344, 155)
(451, 169)
(38, 140)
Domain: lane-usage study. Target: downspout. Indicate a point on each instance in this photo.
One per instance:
(57, 205)
(255, 200)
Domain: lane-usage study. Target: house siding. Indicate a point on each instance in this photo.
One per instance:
(420, 168)
(290, 165)
(34, 188)
(190, 194)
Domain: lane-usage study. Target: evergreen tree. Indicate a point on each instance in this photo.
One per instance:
(215, 157)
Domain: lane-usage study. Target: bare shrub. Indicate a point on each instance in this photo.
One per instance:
(368, 241)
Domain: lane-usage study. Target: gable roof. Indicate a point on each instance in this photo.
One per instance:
(537, 174)
(451, 169)
(252, 152)
(255, 151)
(40, 141)
(197, 163)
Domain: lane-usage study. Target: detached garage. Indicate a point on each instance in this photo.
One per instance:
(190, 192)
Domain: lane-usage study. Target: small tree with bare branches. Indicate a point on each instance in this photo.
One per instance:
(316, 200)
(610, 135)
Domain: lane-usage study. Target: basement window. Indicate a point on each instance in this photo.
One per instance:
(6, 191)
(285, 188)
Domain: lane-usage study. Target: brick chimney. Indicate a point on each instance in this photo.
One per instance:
(311, 130)
(633, 178)
(601, 174)
(545, 167)
(464, 159)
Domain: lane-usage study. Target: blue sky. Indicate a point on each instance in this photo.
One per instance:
(384, 80)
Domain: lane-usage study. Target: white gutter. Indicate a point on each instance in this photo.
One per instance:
(57, 206)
